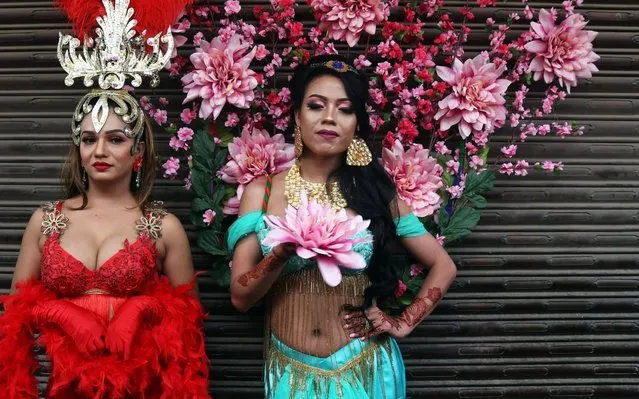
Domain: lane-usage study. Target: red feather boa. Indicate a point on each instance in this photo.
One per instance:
(168, 360)
(153, 15)
(17, 362)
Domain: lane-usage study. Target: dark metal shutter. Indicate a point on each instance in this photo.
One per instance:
(546, 303)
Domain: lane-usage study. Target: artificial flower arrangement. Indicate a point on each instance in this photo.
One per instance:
(319, 232)
(432, 107)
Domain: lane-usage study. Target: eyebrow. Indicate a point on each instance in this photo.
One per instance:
(107, 132)
(326, 99)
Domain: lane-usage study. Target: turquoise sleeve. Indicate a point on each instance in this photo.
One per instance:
(409, 226)
(243, 226)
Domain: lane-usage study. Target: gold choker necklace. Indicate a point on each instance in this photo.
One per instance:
(294, 185)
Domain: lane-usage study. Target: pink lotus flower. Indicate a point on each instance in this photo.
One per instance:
(346, 19)
(477, 100)
(417, 177)
(322, 233)
(253, 154)
(221, 75)
(563, 51)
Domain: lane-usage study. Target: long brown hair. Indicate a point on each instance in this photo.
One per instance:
(72, 171)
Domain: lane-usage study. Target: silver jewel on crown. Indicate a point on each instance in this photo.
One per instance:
(117, 53)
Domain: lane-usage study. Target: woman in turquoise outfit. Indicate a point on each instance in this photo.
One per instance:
(322, 341)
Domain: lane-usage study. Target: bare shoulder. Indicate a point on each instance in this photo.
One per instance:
(253, 195)
(37, 217)
(171, 225)
(255, 188)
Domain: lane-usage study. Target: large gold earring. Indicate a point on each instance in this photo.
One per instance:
(358, 153)
(299, 146)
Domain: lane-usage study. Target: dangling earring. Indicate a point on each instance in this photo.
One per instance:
(358, 153)
(137, 167)
(299, 146)
(84, 177)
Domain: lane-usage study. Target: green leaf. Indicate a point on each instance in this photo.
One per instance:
(200, 205)
(220, 272)
(443, 218)
(429, 223)
(415, 284)
(230, 191)
(209, 241)
(447, 178)
(461, 223)
(200, 182)
(202, 142)
(220, 158)
(171, 129)
(479, 183)
(443, 159)
(477, 200)
(225, 134)
(529, 77)
(483, 154)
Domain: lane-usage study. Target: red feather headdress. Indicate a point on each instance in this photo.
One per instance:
(154, 16)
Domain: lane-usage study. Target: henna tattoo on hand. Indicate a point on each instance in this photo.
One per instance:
(421, 306)
(267, 265)
(393, 322)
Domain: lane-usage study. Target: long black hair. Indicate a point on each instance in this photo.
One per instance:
(368, 190)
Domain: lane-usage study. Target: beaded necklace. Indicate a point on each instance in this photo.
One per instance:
(325, 194)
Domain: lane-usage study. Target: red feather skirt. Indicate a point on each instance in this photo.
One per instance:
(168, 360)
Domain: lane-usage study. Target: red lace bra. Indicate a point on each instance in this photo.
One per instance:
(123, 274)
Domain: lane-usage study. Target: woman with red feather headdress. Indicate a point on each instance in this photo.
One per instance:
(104, 281)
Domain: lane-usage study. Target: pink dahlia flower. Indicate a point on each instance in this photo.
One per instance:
(255, 153)
(477, 100)
(346, 19)
(563, 51)
(322, 233)
(221, 75)
(417, 177)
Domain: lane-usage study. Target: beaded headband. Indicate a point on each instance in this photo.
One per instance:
(339, 66)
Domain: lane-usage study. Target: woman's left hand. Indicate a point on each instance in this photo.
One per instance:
(373, 322)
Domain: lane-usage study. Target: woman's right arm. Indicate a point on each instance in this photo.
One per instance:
(28, 264)
(252, 275)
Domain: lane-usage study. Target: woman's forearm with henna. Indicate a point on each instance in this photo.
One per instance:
(251, 286)
(421, 307)
(267, 265)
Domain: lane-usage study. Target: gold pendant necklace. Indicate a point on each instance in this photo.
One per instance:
(294, 185)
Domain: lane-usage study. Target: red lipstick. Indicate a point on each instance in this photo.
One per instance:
(328, 134)
(102, 166)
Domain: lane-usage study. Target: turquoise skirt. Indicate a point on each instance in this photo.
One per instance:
(360, 370)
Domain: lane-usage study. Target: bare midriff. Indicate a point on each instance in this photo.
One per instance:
(305, 313)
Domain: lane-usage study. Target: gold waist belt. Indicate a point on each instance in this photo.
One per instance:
(95, 291)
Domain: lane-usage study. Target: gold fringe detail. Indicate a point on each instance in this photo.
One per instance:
(310, 281)
(361, 368)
